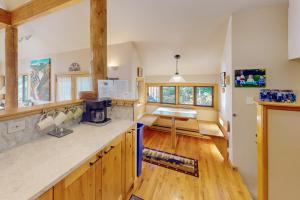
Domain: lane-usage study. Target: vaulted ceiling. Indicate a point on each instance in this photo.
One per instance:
(159, 29)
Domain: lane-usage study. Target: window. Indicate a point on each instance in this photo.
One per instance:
(83, 84)
(182, 94)
(154, 94)
(204, 96)
(69, 85)
(23, 88)
(186, 95)
(64, 88)
(169, 95)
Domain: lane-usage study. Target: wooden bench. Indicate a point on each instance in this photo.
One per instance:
(148, 120)
(201, 129)
(213, 131)
(209, 129)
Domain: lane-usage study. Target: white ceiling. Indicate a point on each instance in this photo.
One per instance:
(194, 28)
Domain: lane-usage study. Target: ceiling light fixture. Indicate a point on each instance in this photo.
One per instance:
(176, 78)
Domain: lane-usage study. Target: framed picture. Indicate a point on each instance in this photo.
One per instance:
(223, 79)
(250, 78)
(280, 96)
(40, 79)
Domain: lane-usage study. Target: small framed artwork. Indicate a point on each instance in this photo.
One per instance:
(250, 78)
(40, 80)
(279, 96)
(140, 72)
(223, 79)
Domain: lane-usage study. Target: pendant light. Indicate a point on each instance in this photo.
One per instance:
(176, 78)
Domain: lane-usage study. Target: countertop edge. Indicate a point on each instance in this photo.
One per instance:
(63, 173)
(75, 167)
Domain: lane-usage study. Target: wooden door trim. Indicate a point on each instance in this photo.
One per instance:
(262, 144)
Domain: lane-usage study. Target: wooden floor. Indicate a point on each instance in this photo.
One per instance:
(217, 180)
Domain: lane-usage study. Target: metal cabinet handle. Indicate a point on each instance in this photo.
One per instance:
(111, 147)
(100, 156)
(92, 163)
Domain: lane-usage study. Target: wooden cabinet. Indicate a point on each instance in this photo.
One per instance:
(109, 175)
(47, 195)
(98, 179)
(80, 184)
(112, 171)
(129, 160)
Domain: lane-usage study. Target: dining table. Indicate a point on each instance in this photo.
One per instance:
(175, 114)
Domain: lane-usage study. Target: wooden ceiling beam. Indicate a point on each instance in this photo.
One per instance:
(5, 17)
(37, 8)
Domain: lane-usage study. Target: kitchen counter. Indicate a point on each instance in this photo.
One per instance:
(29, 170)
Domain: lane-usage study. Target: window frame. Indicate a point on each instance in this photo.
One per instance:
(24, 92)
(74, 76)
(161, 95)
(195, 96)
(184, 104)
(177, 86)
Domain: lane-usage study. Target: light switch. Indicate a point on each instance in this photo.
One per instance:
(250, 100)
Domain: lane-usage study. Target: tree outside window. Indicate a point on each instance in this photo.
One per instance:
(169, 95)
(204, 96)
(186, 95)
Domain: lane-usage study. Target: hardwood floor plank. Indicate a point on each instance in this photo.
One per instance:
(217, 180)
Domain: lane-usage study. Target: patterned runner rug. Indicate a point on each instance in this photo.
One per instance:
(133, 197)
(171, 161)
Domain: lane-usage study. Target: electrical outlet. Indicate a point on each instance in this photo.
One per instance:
(16, 126)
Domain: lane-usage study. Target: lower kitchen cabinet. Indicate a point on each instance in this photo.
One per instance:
(80, 184)
(112, 172)
(47, 195)
(108, 175)
(129, 160)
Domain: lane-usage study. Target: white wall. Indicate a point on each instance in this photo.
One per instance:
(123, 55)
(59, 64)
(126, 57)
(225, 103)
(259, 40)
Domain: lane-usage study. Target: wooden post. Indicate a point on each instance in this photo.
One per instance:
(98, 41)
(11, 67)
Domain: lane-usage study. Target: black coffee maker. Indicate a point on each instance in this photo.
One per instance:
(96, 111)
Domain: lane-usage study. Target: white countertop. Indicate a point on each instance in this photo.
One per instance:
(29, 170)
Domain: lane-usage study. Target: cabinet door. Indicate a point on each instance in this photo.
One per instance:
(47, 195)
(98, 179)
(112, 172)
(79, 185)
(129, 161)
